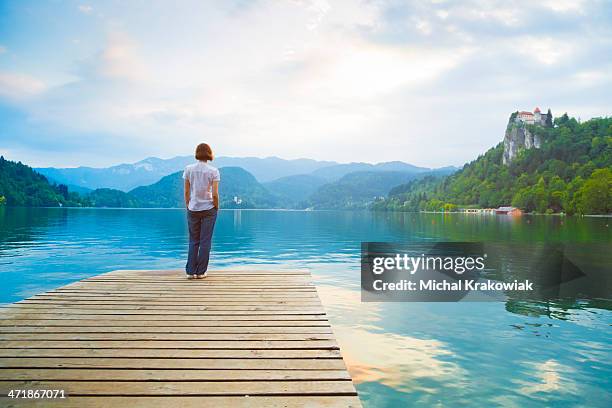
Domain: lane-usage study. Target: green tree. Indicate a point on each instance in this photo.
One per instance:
(20, 185)
(596, 193)
(549, 119)
(449, 207)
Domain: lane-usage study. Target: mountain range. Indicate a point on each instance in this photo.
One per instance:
(247, 182)
(126, 177)
(240, 189)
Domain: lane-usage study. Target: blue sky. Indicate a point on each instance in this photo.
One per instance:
(427, 82)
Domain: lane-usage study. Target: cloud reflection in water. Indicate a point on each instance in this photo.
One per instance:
(373, 355)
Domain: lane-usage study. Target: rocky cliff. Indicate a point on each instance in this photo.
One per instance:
(518, 136)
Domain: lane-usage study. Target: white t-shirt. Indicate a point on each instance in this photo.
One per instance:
(201, 176)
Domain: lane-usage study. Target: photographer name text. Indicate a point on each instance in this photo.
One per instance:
(444, 285)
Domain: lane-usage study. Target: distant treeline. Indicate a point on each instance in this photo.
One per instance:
(22, 186)
(570, 173)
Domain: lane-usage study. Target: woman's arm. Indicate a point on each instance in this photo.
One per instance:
(215, 194)
(187, 193)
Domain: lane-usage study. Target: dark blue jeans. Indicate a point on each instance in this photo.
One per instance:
(201, 225)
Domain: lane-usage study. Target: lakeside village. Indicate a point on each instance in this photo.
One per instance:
(509, 210)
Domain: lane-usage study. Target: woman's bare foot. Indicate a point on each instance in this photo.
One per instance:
(191, 276)
(201, 276)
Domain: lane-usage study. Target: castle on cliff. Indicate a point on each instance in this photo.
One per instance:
(519, 137)
(535, 118)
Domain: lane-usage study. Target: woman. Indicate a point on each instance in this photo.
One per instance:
(202, 202)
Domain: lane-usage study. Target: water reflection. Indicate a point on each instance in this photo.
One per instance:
(548, 376)
(373, 355)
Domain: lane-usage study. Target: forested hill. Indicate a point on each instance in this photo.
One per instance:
(570, 173)
(236, 182)
(359, 189)
(22, 186)
(169, 193)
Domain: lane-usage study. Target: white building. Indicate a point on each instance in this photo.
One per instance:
(529, 118)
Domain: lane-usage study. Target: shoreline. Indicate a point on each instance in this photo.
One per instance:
(328, 210)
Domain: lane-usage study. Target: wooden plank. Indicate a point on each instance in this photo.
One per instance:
(194, 285)
(202, 388)
(58, 315)
(12, 310)
(176, 363)
(191, 402)
(168, 306)
(76, 374)
(102, 336)
(192, 288)
(164, 329)
(33, 355)
(187, 305)
(198, 294)
(199, 291)
(110, 321)
(183, 309)
(205, 293)
(191, 344)
(198, 283)
(210, 278)
(151, 300)
(168, 296)
(174, 272)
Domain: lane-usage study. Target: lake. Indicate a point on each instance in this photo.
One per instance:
(511, 353)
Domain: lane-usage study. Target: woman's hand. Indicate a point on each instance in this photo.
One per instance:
(215, 194)
(187, 193)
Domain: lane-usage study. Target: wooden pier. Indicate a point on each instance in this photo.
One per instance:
(155, 339)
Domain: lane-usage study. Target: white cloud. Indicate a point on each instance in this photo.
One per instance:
(119, 59)
(423, 26)
(592, 77)
(19, 86)
(564, 6)
(442, 14)
(319, 9)
(545, 50)
(365, 71)
(85, 9)
(509, 15)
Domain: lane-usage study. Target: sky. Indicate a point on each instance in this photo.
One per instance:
(431, 83)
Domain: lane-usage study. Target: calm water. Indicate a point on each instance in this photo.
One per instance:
(513, 353)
